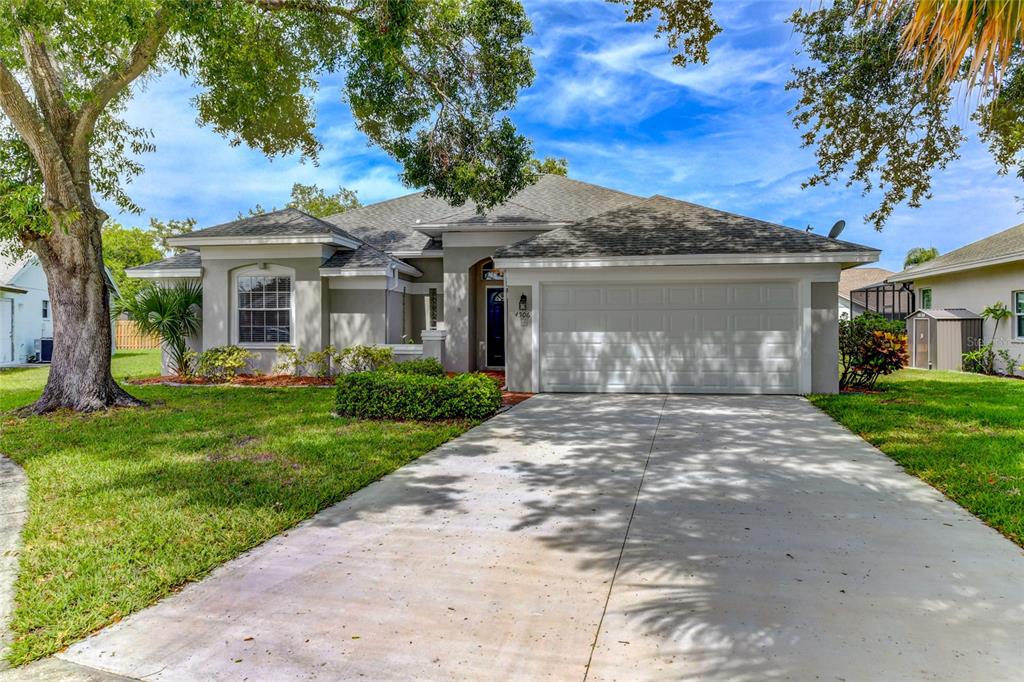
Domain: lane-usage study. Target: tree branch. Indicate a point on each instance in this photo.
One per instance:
(36, 134)
(108, 87)
(46, 83)
(316, 6)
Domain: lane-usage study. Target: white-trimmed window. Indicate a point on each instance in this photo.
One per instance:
(46, 309)
(264, 306)
(1018, 314)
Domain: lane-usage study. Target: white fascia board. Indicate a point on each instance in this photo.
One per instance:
(199, 242)
(438, 229)
(354, 272)
(692, 259)
(959, 267)
(370, 272)
(431, 253)
(12, 289)
(164, 274)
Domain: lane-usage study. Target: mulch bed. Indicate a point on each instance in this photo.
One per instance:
(265, 380)
(508, 398)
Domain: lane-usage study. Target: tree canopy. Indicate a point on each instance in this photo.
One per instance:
(551, 165)
(127, 247)
(920, 254)
(877, 103)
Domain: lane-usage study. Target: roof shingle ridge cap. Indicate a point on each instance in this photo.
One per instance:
(768, 223)
(376, 204)
(593, 184)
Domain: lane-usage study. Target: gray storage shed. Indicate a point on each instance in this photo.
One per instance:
(939, 337)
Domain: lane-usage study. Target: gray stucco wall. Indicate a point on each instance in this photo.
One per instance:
(460, 297)
(824, 337)
(356, 317)
(219, 314)
(518, 341)
(432, 268)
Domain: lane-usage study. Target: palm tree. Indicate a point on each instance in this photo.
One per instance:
(172, 313)
(946, 33)
(919, 254)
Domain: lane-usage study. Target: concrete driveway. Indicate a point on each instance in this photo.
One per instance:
(610, 538)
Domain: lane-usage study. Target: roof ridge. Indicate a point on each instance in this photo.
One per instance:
(761, 220)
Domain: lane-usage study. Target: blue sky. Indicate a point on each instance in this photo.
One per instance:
(607, 98)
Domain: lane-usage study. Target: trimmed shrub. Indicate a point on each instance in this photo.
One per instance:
(869, 347)
(430, 367)
(222, 363)
(290, 360)
(364, 358)
(404, 396)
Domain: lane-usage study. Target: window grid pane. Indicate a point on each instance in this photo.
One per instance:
(264, 309)
(1020, 302)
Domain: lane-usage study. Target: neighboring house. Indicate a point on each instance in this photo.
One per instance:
(974, 277)
(860, 278)
(568, 286)
(25, 315)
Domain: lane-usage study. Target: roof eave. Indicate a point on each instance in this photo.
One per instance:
(843, 258)
(195, 242)
(911, 275)
(163, 273)
(382, 271)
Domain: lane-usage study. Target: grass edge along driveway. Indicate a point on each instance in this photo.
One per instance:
(961, 433)
(127, 506)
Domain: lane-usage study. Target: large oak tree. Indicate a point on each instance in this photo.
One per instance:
(427, 81)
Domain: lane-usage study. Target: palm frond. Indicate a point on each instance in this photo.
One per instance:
(947, 34)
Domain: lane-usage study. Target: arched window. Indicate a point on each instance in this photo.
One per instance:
(264, 303)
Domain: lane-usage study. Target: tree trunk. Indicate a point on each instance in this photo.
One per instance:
(80, 377)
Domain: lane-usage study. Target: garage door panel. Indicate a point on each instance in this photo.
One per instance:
(716, 337)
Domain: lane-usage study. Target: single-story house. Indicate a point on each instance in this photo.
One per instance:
(567, 286)
(974, 277)
(859, 278)
(25, 316)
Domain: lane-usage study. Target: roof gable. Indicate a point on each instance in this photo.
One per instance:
(1005, 246)
(661, 226)
(285, 223)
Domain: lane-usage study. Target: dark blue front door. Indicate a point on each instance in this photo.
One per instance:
(495, 327)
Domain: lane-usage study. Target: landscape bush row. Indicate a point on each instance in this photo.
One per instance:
(416, 391)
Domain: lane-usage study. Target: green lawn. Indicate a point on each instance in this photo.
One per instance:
(962, 433)
(129, 505)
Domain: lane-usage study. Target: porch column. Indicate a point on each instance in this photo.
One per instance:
(460, 303)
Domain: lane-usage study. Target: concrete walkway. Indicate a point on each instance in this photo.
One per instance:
(13, 511)
(610, 538)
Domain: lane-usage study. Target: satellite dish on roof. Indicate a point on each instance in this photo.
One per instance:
(837, 229)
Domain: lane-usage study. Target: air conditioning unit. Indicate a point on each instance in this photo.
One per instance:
(44, 349)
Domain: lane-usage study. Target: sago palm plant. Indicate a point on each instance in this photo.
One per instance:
(172, 313)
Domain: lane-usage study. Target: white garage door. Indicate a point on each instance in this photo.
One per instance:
(676, 338)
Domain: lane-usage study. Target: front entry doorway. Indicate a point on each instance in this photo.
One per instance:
(495, 326)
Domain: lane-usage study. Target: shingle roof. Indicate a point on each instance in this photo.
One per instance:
(553, 198)
(949, 314)
(182, 261)
(858, 278)
(364, 257)
(390, 224)
(288, 222)
(661, 226)
(1006, 243)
